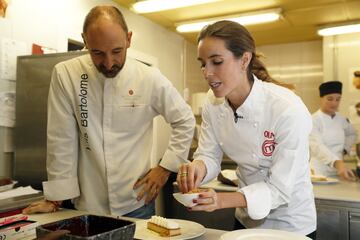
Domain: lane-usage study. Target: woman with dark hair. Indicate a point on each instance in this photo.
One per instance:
(260, 125)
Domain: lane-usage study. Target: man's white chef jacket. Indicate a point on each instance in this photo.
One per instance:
(269, 143)
(100, 133)
(331, 135)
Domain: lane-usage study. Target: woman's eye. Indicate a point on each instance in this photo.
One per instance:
(217, 62)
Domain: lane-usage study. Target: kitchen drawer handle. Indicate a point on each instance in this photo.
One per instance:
(355, 216)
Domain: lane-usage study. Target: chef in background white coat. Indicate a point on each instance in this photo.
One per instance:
(332, 134)
(263, 127)
(100, 123)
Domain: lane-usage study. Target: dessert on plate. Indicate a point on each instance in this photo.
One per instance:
(163, 226)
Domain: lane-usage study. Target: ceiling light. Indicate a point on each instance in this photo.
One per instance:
(336, 30)
(244, 19)
(161, 5)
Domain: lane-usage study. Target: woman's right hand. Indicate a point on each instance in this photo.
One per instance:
(190, 175)
(43, 206)
(343, 172)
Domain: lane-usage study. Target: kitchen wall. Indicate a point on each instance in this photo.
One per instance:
(299, 64)
(52, 23)
(341, 58)
(194, 79)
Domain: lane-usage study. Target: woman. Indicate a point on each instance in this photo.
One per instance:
(261, 126)
(332, 134)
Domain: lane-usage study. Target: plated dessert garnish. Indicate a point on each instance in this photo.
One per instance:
(163, 226)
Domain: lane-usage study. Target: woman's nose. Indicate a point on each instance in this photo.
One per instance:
(207, 72)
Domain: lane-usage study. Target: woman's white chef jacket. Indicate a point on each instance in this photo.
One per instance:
(100, 133)
(269, 143)
(329, 138)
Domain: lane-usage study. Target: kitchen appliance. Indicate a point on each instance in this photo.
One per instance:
(32, 86)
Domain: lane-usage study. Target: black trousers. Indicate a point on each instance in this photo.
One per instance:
(238, 225)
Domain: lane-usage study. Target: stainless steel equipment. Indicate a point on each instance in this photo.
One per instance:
(32, 86)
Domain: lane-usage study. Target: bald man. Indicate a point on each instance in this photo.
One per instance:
(100, 120)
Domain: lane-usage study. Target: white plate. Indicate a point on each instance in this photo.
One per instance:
(328, 181)
(8, 186)
(188, 229)
(262, 234)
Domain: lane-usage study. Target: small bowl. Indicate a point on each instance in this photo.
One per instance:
(186, 199)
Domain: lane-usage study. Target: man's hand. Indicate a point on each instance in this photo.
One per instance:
(152, 183)
(43, 206)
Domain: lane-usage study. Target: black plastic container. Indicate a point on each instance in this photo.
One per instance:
(88, 227)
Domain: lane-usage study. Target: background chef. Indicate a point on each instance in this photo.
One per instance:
(332, 135)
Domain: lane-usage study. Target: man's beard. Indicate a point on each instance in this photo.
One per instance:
(115, 69)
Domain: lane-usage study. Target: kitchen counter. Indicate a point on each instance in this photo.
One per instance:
(14, 203)
(339, 191)
(337, 206)
(210, 234)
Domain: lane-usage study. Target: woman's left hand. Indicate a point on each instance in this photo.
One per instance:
(208, 201)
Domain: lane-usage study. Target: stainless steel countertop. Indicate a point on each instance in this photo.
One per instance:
(13, 203)
(340, 191)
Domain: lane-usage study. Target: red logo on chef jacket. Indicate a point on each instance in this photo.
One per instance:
(268, 145)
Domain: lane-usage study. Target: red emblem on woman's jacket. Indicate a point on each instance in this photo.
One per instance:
(268, 145)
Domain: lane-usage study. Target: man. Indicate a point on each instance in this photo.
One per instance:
(332, 134)
(100, 112)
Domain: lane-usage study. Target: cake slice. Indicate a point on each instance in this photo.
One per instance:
(164, 227)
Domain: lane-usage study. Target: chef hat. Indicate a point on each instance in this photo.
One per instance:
(330, 87)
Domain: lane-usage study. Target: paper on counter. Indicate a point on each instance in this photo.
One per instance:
(20, 191)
